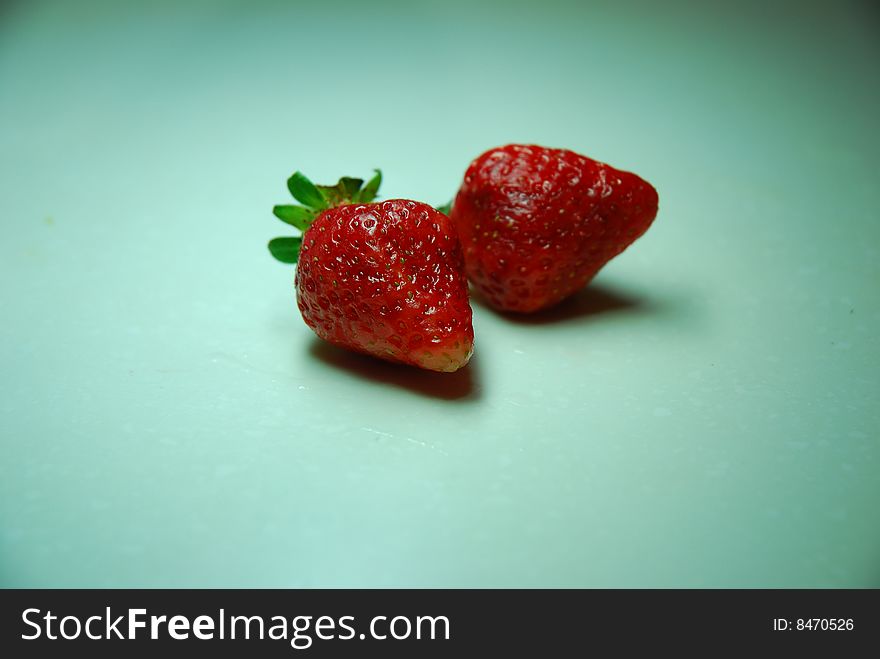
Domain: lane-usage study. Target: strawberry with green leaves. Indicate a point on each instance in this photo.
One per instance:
(537, 224)
(382, 278)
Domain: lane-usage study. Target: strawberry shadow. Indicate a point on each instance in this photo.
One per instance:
(594, 300)
(460, 386)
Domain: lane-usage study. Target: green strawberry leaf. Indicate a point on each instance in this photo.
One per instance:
(286, 249)
(305, 192)
(344, 192)
(298, 216)
(445, 208)
(350, 186)
(369, 191)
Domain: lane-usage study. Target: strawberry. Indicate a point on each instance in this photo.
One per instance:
(382, 278)
(537, 224)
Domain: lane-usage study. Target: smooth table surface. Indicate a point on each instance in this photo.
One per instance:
(704, 414)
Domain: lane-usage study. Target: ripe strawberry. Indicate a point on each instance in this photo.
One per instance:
(537, 224)
(383, 278)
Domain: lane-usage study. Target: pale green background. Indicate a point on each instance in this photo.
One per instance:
(707, 415)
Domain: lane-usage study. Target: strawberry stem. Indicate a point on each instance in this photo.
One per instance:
(314, 200)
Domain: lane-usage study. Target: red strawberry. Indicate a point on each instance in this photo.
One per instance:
(537, 224)
(385, 278)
